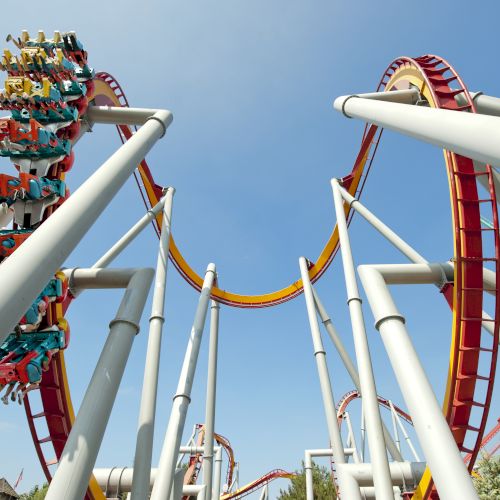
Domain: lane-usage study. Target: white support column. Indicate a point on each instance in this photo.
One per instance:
(208, 452)
(472, 135)
(145, 431)
(406, 96)
(120, 479)
(395, 428)
(27, 271)
(363, 432)
(198, 490)
(217, 474)
(352, 438)
(443, 457)
(132, 233)
(182, 398)
(80, 452)
(265, 493)
(376, 442)
(351, 369)
(405, 434)
(324, 376)
(308, 468)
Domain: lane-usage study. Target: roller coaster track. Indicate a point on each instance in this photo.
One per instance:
(439, 85)
(352, 395)
(487, 439)
(193, 469)
(258, 483)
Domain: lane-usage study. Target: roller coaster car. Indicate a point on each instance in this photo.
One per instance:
(24, 134)
(67, 42)
(21, 357)
(30, 213)
(36, 59)
(41, 40)
(72, 88)
(19, 140)
(43, 91)
(51, 113)
(24, 107)
(30, 187)
(45, 167)
(10, 240)
(74, 50)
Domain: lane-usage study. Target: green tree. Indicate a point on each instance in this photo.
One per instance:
(487, 482)
(322, 485)
(36, 493)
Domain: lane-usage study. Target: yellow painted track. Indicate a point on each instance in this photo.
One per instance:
(102, 89)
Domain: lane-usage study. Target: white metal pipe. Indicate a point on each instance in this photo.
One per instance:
(395, 428)
(265, 493)
(484, 180)
(368, 493)
(382, 228)
(348, 486)
(335, 338)
(119, 116)
(217, 474)
(182, 398)
(405, 434)
(355, 455)
(121, 478)
(308, 467)
(27, 271)
(406, 96)
(485, 104)
(349, 365)
(363, 432)
(489, 280)
(324, 376)
(488, 324)
(93, 278)
(402, 473)
(80, 452)
(375, 431)
(131, 234)
(190, 442)
(208, 452)
(443, 457)
(489, 277)
(197, 490)
(145, 431)
(235, 485)
(472, 135)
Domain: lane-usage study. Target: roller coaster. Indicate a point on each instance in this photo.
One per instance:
(54, 98)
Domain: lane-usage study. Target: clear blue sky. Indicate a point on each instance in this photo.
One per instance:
(251, 150)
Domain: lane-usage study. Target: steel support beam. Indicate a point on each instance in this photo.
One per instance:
(324, 376)
(132, 233)
(308, 468)
(217, 474)
(443, 457)
(80, 451)
(351, 369)
(145, 431)
(376, 442)
(182, 398)
(120, 479)
(208, 452)
(472, 135)
(27, 271)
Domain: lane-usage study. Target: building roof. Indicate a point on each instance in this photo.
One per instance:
(5, 487)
